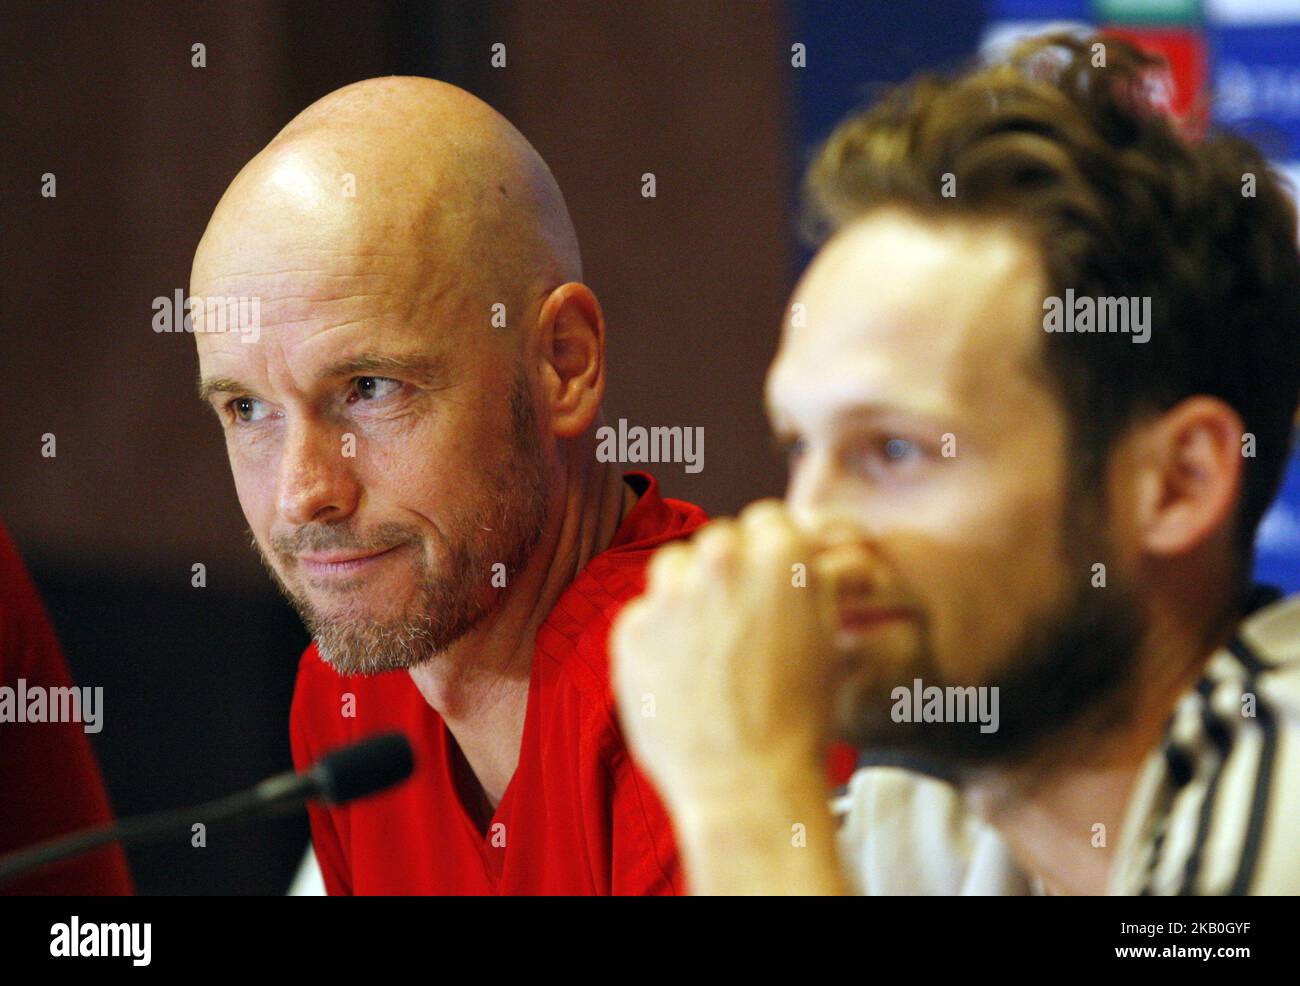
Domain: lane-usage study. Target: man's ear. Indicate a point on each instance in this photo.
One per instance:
(572, 333)
(1189, 476)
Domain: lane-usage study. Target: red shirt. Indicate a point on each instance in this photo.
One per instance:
(576, 818)
(49, 779)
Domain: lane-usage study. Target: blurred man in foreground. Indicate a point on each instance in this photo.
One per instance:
(411, 429)
(1015, 550)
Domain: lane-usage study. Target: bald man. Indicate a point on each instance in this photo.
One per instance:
(410, 424)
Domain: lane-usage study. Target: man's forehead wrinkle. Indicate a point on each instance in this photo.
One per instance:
(277, 271)
(303, 362)
(251, 252)
(270, 269)
(395, 286)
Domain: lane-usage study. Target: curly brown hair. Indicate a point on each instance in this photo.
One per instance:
(1120, 203)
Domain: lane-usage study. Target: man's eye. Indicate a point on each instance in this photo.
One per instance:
(884, 455)
(248, 409)
(900, 450)
(372, 388)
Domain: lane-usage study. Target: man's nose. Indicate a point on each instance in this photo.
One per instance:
(317, 481)
(811, 491)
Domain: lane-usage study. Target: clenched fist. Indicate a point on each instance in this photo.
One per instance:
(723, 672)
(721, 667)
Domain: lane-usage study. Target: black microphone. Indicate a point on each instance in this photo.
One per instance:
(352, 772)
(363, 768)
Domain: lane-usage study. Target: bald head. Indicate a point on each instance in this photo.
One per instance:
(408, 177)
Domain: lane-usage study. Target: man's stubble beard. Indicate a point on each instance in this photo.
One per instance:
(504, 527)
(1070, 672)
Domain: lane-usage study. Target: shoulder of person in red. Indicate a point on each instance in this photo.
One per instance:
(48, 770)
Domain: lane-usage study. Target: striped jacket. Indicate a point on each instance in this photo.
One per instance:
(1215, 808)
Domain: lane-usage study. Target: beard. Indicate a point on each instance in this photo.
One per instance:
(501, 527)
(1069, 671)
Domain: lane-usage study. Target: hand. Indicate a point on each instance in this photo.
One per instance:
(722, 672)
(721, 669)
